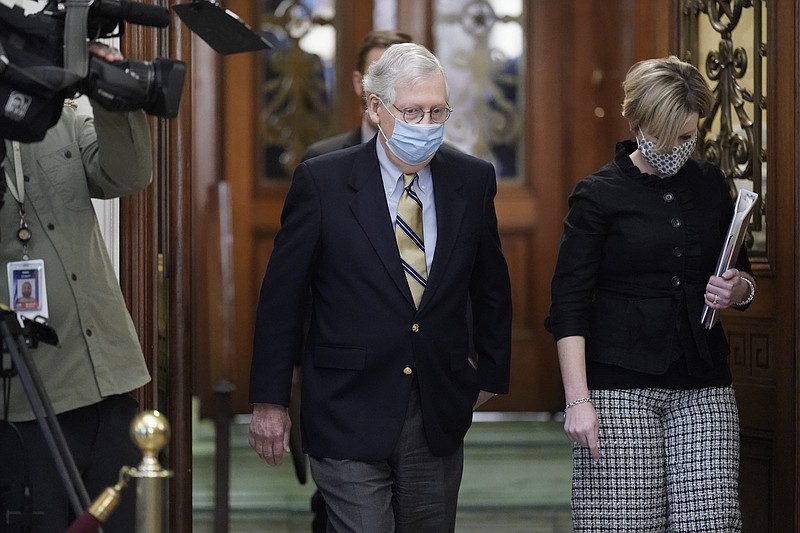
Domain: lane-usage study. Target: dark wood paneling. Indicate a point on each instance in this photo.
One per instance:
(139, 236)
(240, 167)
(353, 21)
(176, 221)
(155, 268)
(756, 484)
(208, 353)
(780, 302)
(599, 59)
(414, 17)
(764, 340)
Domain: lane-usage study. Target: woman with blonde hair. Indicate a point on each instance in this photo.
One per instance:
(650, 406)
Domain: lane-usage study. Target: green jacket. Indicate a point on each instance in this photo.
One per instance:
(79, 159)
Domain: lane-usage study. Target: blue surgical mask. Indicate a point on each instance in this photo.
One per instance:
(414, 144)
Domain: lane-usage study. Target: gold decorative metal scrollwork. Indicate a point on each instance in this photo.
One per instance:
(731, 136)
(488, 122)
(295, 99)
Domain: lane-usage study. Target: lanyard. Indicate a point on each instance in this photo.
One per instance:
(18, 192)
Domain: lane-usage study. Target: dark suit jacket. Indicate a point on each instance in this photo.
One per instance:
(336, 142)
(337, 238)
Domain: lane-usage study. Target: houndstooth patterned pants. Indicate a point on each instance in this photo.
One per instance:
(669, 463)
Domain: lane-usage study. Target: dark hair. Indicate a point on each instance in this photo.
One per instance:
(378, 39)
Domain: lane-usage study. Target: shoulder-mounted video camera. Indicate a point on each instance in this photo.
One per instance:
(44, 59)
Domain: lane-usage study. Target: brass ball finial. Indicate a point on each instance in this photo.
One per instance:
(150, 431)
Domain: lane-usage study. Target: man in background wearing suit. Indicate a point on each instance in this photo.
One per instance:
(388, 383)
(372, 47)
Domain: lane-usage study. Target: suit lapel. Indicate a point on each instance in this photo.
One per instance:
(450, 206)
(370, 209)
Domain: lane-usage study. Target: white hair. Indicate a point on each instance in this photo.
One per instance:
(401, 65)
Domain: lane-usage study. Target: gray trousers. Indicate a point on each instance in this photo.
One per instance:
(669, 463)
(409, 492)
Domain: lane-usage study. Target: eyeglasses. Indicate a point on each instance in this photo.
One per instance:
(414, 115)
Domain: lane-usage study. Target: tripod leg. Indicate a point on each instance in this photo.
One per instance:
(40, 403)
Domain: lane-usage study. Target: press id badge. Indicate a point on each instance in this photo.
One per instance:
(27, 288)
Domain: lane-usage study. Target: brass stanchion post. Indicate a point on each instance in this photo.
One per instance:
(150, 431)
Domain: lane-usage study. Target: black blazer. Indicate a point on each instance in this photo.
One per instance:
(337, 239)
(335, 142)
(633, 263)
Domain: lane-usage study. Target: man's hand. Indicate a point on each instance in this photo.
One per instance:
(105, 52)
(269, 432)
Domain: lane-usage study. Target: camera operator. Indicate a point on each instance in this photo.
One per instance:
(48, 219)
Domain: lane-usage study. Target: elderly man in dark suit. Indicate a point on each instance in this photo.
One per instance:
(390, 239)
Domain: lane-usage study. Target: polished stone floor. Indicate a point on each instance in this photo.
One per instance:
(516, 480)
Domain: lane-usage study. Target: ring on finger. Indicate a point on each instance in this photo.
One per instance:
(716, 298)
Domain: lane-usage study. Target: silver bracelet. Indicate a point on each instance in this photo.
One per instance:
(579, 401)
(749, 296)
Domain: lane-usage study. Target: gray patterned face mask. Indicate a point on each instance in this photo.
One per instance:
(668, 163)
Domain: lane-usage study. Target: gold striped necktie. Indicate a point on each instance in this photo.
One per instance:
(410, 242)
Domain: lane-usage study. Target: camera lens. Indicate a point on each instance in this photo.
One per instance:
(127, 85)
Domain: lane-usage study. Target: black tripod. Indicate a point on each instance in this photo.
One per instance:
(16, 342)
